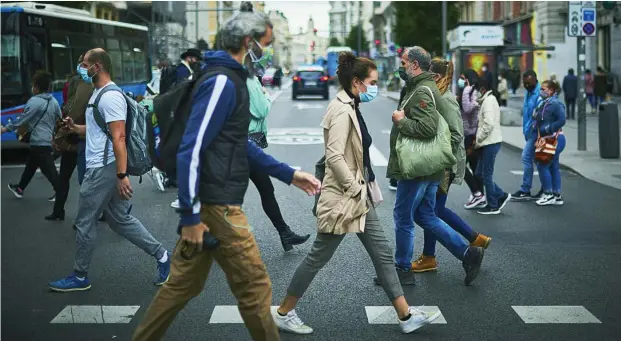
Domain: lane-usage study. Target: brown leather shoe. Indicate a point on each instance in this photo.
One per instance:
(424, 264)
(482, 241)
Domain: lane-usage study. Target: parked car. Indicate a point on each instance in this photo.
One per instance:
(268, 77)
(310, 80)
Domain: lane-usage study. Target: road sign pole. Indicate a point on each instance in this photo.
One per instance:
(582, 143)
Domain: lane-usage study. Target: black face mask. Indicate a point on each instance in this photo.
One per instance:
(402, 74)
(529, 87)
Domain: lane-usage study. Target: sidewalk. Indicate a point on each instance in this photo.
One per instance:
(586, 163)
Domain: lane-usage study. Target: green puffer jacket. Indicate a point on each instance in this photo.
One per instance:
(420, 122)
(452, 116)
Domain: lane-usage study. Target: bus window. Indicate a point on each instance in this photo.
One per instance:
(117, 66)
(35, 48)
(10, 53)
(63, 62)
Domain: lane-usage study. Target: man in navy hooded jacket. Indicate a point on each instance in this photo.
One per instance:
(213, 173)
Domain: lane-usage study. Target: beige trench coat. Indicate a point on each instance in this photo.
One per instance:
(342, 206)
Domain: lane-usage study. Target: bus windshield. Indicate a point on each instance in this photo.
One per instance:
(10, 53)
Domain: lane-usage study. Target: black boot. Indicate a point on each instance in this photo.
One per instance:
(288, 238)
(56, 216)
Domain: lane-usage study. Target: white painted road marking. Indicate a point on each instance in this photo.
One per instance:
(388, 315)
(519, 172)
(377, 158)
(293, 136)
(386, 131)
(96, 314)
(229, 314)
(306, 106)
(555, 314)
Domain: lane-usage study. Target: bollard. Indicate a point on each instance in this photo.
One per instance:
(609, 144)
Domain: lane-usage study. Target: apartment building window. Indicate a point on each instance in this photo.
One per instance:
(377, 4)
(488, 11)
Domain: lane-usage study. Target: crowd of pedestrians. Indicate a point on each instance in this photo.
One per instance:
(438, 140)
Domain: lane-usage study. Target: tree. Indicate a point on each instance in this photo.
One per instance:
(334, 42)
(420, 23)
(352, 40)
(202, 45)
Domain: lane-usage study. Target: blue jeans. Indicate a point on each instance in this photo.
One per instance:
(550, 173)
(415, 202)
(485, 171)
(81, 161)
(528, 158)
(450, 218)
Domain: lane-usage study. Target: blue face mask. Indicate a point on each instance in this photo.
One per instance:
(83, 72)
(372, 91)
(461, 83)
(543, 94)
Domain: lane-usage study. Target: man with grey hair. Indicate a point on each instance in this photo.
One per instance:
(213, 160)
(419, 119)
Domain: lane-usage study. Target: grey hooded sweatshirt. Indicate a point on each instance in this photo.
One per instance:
(36, 107)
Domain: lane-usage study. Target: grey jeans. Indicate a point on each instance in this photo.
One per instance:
(374, 241)
(99, 193)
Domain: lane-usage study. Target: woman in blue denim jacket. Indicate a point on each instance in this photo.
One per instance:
(549, 119)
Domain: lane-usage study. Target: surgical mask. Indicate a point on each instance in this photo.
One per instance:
(543, 94)
(402, 74)
(83, 72)
(461, 83)
(372, 91)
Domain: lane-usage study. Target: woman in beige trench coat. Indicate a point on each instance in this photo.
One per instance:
(346, 202)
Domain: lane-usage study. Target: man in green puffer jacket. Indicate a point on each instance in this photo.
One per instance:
(415, 199)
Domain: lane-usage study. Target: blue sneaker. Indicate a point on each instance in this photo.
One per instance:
(163, 271)
(71, 283)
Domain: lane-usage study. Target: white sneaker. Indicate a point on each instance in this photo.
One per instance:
(158, 179)
(291, 323)
(475, 202)
(546, 199)
(558, 200)
(417, 319)
(175, 204)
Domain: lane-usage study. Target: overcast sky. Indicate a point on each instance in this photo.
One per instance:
(298, 13)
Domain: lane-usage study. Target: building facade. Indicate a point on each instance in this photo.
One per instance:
(282, 39)
(343, 16)
(301, 51)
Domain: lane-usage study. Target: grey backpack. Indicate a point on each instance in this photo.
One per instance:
(138, 161)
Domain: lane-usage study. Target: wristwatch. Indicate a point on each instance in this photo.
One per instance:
(121, 176)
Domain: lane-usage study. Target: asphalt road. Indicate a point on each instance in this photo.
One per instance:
(552, 256)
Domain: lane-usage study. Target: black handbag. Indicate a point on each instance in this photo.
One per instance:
(259, 138)
(23, 135)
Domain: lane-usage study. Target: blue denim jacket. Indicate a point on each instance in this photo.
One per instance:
(531, 100)
(550, 116)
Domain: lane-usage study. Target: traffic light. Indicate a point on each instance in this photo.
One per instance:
(400, 51)
(315, 31)
(312, 45)
(377, 42)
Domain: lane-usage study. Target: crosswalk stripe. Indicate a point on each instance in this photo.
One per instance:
(388, 315)
(554, 314)
(229, 314)
(377, 158)
(519, 172)
(102, 314)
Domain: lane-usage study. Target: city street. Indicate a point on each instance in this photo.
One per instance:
(551, 273)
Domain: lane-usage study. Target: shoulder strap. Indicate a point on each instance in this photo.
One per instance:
(41, 116)
(413, 92)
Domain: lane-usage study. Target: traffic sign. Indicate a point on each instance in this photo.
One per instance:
(582, 20)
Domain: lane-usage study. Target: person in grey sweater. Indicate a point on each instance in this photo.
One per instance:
(39, 117)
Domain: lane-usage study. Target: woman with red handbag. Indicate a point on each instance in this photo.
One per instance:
(549, 119)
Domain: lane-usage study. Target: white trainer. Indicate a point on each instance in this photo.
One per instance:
(291, 323)
(175, 204)
(158, 179)
(417, 319)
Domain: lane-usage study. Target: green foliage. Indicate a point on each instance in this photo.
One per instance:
(420, 23)
(352, 40)
(334, 42)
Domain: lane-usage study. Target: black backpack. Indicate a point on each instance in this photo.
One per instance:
(168, 78)
(171, 112)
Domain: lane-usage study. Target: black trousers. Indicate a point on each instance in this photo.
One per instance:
(40, 157)
(68, 163)
(570, 104)
(472, 181)
(264, 185)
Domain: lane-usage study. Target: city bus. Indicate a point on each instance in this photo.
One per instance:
(50, 37)
(332, 54)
